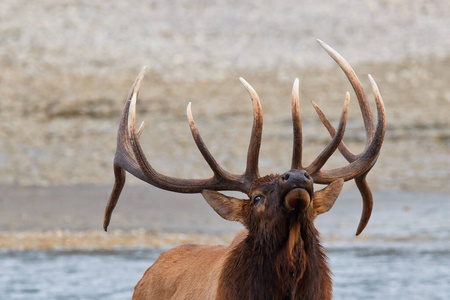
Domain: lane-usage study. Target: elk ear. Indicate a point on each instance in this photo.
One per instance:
(229, 208)
(324, 199)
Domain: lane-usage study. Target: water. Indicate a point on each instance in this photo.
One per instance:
(72, 274)
(412, 271)
(392, 270)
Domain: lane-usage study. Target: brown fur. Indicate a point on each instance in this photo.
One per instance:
(278, 256)
(185, 272)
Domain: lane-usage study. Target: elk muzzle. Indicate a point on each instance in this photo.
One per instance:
(297, 189)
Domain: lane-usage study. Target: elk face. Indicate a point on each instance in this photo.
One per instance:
(273, 197)
(276, 200)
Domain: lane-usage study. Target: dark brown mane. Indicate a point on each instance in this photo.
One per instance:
(298, 262)
(315, 283)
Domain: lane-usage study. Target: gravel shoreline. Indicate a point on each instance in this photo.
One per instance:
(95, 239)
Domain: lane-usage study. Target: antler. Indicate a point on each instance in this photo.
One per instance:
(130, 157)
(360, 164)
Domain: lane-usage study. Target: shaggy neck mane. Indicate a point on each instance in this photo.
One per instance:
(285, 265)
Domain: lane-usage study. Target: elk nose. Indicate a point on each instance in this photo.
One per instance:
(296, 177)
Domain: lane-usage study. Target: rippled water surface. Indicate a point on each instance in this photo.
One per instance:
(389, 271)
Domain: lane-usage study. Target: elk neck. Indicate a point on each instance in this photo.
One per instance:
(287, 262)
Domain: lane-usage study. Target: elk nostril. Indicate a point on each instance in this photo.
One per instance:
(307, 176)
(286, 177)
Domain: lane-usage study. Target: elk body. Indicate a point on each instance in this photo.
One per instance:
(278, 255)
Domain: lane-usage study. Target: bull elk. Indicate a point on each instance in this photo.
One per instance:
(278, 255)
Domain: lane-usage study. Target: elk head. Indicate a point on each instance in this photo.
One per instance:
(272, 196)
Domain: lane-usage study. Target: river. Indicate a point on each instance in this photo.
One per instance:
(389, 270)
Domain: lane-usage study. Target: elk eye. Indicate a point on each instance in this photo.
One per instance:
(258, 199)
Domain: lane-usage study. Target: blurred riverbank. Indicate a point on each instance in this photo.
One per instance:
(67, 67)
(61, 142)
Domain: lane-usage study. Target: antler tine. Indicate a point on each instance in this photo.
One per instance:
(141, 128)
(349, 155)
(297, 128)
(119, 174)
(125, 150)
(357, 87)
(252, 170)
(367, 198)
(215, 167)
(333, 145)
